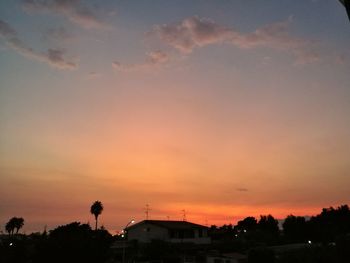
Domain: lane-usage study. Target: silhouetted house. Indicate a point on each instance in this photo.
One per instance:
(169, 231)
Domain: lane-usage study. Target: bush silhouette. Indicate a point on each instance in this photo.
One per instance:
(75, 242)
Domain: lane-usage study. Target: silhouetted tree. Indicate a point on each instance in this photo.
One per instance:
(295, 228)
(74, 242)
(331, 223)
(96, 210)
(267, 229)
(268, 224)
(248, 224)
(14, 223)
(19, 223)
(10, 227)
(213, 227)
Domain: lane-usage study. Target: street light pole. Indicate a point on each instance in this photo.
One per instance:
(124, 237)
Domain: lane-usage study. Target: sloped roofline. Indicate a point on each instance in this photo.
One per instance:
(169, 224)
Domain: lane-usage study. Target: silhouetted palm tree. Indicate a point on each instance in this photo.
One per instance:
(14, 223)
(10, 227)
(96, 210)
(19, 222)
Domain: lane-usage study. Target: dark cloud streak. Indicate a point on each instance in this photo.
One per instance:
(74, 10)
(241, 189)
(53, 57)
(59, 34)
(153, 59)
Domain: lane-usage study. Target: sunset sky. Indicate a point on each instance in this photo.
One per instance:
(226, 109)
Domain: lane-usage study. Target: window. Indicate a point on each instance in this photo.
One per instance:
(189, 234)
(200, 233)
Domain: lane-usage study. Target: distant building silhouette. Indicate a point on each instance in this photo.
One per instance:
(169, 231)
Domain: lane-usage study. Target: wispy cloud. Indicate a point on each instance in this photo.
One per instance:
(6, 31)
(340, 59)
(59, 34)
(94, 74)
(53, 57)
(74, 10)
(195, 32)
(241, 189)
(191, 33)
(153, 59)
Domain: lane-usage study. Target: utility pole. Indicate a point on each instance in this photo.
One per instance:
(124, 238)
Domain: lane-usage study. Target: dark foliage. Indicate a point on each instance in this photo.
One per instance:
(15, 223)
(331, 223)
(268, 224)
(295, 229)
(248, 224)
(75, 242)
(329, 232)
(225, 232)
(265, 232)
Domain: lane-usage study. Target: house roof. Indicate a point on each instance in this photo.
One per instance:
(169, 224)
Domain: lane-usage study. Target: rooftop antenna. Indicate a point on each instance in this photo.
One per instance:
(147, 209)
(183, 214)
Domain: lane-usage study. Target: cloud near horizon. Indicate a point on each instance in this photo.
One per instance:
(242, 189)
(53, 57)
(75, 11)
(153, 59)
(195, 32)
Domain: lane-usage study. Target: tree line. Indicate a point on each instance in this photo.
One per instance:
(73, 242)
(327, 236)
(16, 223)
(324, 227)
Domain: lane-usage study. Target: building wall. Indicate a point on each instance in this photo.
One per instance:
(197, 236)
(202, 240)
(146, 232)
(201, 233)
